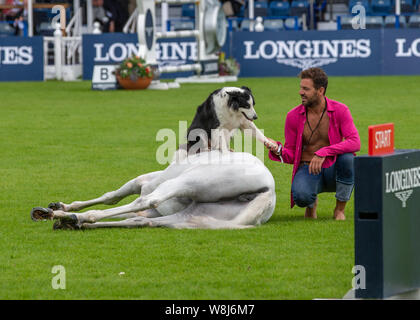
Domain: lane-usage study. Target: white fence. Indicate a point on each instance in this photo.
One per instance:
(62, 58)
(63, 54)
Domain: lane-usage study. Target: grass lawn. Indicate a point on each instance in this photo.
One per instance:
(64, 142)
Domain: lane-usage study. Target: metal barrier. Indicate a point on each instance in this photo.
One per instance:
(210, 34)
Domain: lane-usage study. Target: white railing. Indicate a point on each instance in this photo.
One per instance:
(71, 50)
(62, 57)
(131, 23)
(63, 54)
(74, 28)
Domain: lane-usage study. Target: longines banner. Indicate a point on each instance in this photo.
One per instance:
(287, 53)
(343, 52)
(401, 54)
(21, 59)
(115, 47)
(265, 54)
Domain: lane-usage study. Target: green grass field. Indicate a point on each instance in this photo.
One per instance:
(64, 142)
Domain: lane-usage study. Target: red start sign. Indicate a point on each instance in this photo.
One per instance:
(381, 139)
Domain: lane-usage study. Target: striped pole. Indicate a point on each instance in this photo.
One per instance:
(177, 34)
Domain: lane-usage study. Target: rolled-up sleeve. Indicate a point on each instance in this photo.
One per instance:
(288, 150)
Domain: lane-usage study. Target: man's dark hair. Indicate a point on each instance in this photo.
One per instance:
(318, 76)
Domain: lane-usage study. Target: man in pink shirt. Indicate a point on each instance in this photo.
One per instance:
(320, 141)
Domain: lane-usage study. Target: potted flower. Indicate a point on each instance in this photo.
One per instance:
(229, 66)
(134, 73)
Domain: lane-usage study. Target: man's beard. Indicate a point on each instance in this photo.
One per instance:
(308, 104)
(311, 103)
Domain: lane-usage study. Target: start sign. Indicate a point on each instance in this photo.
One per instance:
(381, 139)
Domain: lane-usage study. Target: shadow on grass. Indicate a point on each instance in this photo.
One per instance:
(297, 218)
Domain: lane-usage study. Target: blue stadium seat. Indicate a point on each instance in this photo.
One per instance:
(346, 22)
(177, 25)
(407, 6)
(299, 7)
(273, 24)
(391, 19)
(6, 29)
(260, 9)
(414, 21)
(245, 25)
(293, 23)
(364, 3)
(381, 6)
(45, 29)
(188, 10)
(279, 8)
(374, 22)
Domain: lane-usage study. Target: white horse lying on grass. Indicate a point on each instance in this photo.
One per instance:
(213, 189)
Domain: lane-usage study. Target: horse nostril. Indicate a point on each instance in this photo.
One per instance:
(255, 117)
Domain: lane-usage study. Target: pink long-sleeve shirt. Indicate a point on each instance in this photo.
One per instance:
(342, 134)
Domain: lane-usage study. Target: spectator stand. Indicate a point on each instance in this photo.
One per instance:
(183, 21)
(277, 15)
(283, 15)
(182, 16)
(39, 14)
(7, 28)
(384, 14)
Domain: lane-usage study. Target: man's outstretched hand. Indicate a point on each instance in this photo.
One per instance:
(271, 145)
(315, 165)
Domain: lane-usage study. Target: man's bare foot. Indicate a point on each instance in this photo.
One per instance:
(311, 212)
(339, 210)
(339, 215)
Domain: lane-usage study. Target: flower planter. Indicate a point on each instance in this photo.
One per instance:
(141, 83)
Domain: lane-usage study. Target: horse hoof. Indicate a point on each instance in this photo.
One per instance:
(67, 223)
(56, 206)
(39, 214)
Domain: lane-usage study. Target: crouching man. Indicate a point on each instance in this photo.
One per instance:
(320, 141)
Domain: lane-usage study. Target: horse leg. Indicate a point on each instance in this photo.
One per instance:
(174, 221)
(134, 186)
(166, 190)
(247, 213)
(92, 216)
(149, 213)
(181, 220)
(258, 210)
